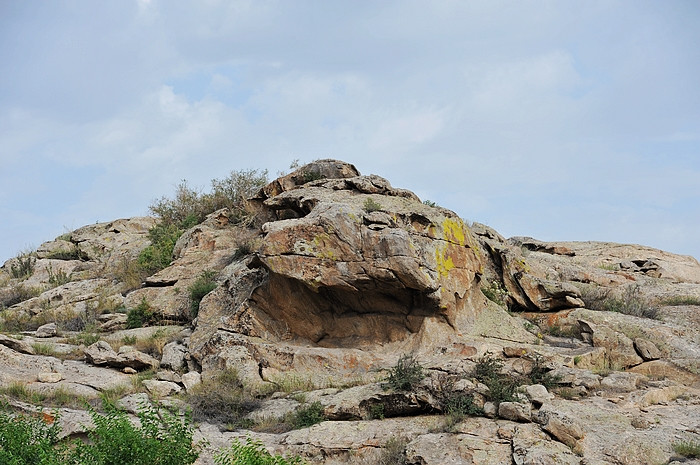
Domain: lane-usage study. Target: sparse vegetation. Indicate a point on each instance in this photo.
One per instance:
(502, 387)
(679, 300)
(159, 253)
(201, 287)
(252, 453)
(23, 266)
(495, 292)
(688, 449)
(430, 203)
(72, 254)
(394, 452)
(140, 316)
(222, 400)
(370, 205)
(630, 302)
(405, 375)
(58, 277)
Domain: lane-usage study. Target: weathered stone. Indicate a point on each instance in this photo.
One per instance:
(490, 409)
(167, 375)
(49, 377)
(101, 353)
(16, 344)
(161, 388)
(533, 447)
(646, 349)
(622, 381)
(457, 449)
(538, 394)
(657, 369)
(191, 379)
(560, 425)
(576, 377)
(515, 411)
(47, 330)
(620, 349)
(174, 355)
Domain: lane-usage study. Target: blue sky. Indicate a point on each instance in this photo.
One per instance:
(551, 119)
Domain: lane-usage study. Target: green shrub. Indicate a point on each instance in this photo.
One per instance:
(689, 449)
(370, 205)
(161, 438)
(28, 440)
(303, 417)
(140, 316)
(252, 453)
(72, 254)
(405, 375)
(542, 375)
(201, 287)
(430, 203)
(502, 387)
(58, 278)
(159, 254)
(192, 206)
(23, 267)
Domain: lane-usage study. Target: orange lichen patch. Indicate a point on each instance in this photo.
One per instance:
(48, 418)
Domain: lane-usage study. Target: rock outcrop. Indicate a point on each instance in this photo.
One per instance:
(332, 278)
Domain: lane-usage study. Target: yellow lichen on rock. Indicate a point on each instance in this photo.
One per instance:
(443, 261)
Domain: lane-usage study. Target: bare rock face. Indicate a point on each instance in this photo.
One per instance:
(346, 262)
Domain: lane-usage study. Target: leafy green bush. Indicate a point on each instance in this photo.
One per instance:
(405, 375)
(303, 417)
(502, 387)
(23, 267)
(159, 254)
(252, 453)
(371, 205)
(28, 440)
(162, 438)
(139, 316)
(201, 287)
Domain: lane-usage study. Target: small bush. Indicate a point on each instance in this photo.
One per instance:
(371, 205)
(542, 375)
(28, 440)
(394, 452)
(201, 287)
(303, 417)
(502, 387)
(23, 267)
(222, 400)
(58, 278)
(72, 254)
(689, 449)
(405, 375)
(430, 203)
(19, 293)
(495, 292)
(159, 254)
(252, 453)
(139, 316)
(161, 438)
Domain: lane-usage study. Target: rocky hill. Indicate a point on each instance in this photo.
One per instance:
(417, 338)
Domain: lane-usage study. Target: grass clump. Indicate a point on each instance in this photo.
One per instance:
(252, 453)
(688, 449)
(370, 205)
(405, 375)
(140, 316)
(71, 254)
(58, 277)
(201, 287)
(679, 300)
(159, 253)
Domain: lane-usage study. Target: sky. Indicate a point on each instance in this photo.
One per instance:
(556, 120)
